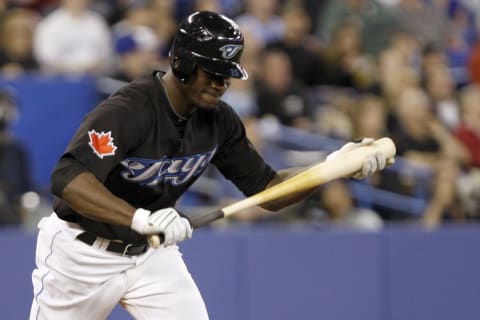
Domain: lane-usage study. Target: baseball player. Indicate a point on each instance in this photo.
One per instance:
(131, 159)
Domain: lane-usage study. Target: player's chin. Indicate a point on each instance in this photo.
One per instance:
(208, 100)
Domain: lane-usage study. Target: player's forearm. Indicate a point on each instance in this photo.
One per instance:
(281, 176)
(86, 195)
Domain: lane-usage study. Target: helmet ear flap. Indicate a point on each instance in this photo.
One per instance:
(183, 66)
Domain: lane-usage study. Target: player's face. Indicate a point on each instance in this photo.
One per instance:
(206, 89)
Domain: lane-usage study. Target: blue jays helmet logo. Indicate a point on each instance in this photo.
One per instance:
(230, 50)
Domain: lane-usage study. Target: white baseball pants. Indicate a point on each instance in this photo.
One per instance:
(73, 280)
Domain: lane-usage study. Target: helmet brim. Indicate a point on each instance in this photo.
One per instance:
(223, 68)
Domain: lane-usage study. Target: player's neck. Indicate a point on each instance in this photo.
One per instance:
(173, 89)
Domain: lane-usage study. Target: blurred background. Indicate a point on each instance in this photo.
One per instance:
(402, 244)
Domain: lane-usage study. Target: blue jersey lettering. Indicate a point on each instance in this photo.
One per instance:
(176, 171)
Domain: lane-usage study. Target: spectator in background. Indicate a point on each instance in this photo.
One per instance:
(261, 18)
(421, 137)
(137, 46)
(164, 23)
(332, 115)
(112, 10)
(137, 54)
(4, 5)
(374, 22)
(425, 20)
(333, 206)
(432, 58)
(297, 42)
(369, 117)
(440, 86)
(207, 5)
(469, 130)
(462, 21)
(230, 8)
(469, 135)
(40, 6)
(461, 37)
(473, 6)
(343, 62)
(313, 8)
(279, 94)
(473, 64)
(14, 163)
(397, 66)
(16, 40)
(135, 15)
(424, 141)
(407, 47)
(137, 51)
(73, 40)
(394, 76)
(157, 16)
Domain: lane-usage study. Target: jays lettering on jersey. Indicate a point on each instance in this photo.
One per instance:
(176, 171)
(135, 144)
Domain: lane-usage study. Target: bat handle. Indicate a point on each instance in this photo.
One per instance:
(155, 240)
(204, 220)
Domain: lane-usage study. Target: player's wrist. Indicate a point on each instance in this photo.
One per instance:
(140, 220)
(185, 217)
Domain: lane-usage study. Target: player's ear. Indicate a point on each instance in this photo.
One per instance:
(193, 74)
(182, 66)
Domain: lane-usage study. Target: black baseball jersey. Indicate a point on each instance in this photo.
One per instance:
(136, 145)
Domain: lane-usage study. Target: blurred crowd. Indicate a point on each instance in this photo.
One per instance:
(341, 69)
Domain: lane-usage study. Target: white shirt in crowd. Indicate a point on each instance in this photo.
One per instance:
(78, 44)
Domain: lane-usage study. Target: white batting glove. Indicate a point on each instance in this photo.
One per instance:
(164, 221)
(373, 162)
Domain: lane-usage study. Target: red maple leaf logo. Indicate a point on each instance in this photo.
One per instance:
(102, 143)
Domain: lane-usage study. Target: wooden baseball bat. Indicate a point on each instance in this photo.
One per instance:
(344, 165)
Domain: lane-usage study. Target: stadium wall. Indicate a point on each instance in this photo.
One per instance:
(301, 273)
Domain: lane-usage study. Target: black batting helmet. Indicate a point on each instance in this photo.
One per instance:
(210, 41)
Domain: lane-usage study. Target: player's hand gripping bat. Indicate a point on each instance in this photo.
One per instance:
(323, 172)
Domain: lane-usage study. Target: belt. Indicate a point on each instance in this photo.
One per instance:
(125, 249)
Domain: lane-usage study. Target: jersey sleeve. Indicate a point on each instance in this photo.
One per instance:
(107, 134)
(238, 160)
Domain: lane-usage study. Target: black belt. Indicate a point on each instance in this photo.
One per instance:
(126, 249)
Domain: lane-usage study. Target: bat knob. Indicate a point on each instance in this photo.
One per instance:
(155, 241)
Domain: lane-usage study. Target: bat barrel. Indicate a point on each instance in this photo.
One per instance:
(345, 165)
